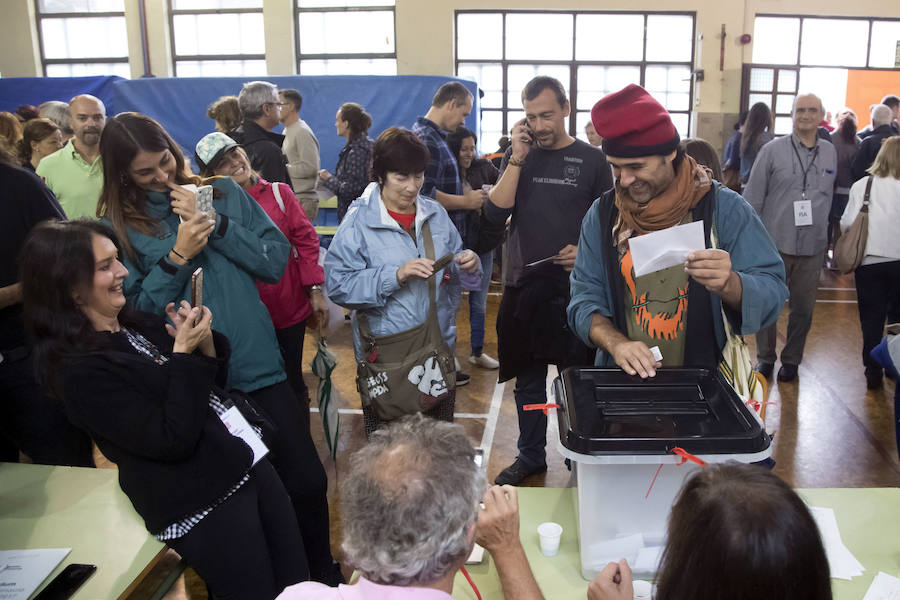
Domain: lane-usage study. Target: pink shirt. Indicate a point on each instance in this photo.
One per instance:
(361, 590)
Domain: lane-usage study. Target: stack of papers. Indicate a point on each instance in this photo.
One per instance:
(841, 562)
(884, 587)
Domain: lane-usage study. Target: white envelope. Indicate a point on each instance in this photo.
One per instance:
(666, 248)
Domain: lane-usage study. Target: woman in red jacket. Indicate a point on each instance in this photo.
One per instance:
(298, 294)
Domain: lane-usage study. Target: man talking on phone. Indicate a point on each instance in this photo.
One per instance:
(548, 182)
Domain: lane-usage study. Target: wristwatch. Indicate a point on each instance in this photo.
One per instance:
(315, 286)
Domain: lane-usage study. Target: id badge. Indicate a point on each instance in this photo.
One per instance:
(238, 426)
(803, 213)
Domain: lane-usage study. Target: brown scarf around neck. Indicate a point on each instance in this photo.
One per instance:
(692, 181)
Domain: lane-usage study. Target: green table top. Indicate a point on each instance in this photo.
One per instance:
(867, 518)
(82, 509)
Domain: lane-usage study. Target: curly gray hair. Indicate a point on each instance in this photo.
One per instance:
(58, 112)
(254, 95)
(409, 501)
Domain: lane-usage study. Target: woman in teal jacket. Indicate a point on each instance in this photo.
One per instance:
(146, 200)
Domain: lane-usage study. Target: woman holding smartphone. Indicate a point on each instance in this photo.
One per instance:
(376, 264)
(151, 396)
(165, 239)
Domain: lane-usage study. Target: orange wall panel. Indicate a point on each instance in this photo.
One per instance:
(865, 88)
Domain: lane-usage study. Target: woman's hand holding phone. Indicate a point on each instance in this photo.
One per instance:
(193, 235)
(189, 333)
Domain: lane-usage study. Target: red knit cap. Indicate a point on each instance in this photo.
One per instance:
(632, 123)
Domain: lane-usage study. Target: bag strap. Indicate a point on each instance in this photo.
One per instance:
(714, 243)
(365, 331)
(865, 204)
(277, 193)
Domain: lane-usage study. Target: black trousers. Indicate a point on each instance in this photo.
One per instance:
(296, 460)
(290, 342)
(877, 293)
(248, 547)
(36, 424)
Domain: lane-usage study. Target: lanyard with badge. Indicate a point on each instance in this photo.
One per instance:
(803, 207)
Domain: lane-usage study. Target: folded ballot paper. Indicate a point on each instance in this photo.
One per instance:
(666, 248)
(841, 562)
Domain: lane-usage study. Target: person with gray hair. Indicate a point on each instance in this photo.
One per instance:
(882, 116)
(58, 112)
(790, 187)
(413, 505)
(261, 111)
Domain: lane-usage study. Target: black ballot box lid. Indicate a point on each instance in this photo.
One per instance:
(608, 412)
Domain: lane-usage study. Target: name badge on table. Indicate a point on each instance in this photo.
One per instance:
(803, 213)
(238, 426)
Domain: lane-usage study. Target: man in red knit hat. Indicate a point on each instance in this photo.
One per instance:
(678, 310)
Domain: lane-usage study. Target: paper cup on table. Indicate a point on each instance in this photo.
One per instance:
(550, 534)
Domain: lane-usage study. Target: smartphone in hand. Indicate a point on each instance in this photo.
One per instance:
(441, 263)
(205, 199)
(197, 290)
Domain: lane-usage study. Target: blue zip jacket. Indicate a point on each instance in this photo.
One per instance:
(363, 258)
(244, 246)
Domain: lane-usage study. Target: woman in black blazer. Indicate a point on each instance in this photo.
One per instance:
(151, 396)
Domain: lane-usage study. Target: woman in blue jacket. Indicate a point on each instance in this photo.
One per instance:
(376, 262)
(165, 239)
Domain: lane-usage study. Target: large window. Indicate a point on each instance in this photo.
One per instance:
(218, 38)
(591, 53)
(796, 53)
(82, 37)
(345, 37)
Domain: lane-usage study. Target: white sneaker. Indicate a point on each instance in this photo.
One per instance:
(484, 361)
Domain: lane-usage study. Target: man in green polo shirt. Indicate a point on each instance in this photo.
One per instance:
(74, 172)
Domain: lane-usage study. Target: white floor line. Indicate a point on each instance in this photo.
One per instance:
(837, 301)
(487, 438)
(853, 289)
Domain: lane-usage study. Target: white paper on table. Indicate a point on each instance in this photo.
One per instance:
(884, 587)
(476, 556)
(841, 562)
(647, 560)
(22, 571)
(613, 550)
(666, 248)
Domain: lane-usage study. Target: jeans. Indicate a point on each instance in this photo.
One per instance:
(802, 274)
(290, 342)
(478, 304)
(449, 296)
(877, 289)
(531, 388)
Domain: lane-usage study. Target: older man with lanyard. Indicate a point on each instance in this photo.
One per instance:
(790, 187)
(678, 309)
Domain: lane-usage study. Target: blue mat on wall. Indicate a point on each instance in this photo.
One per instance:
(180, 103)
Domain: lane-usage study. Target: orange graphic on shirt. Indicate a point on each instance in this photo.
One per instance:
(661, 325)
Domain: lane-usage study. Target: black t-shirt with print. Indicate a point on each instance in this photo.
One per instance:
(556, 188)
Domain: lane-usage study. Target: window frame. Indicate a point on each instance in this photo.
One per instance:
(207, 57)
(797, 63)
(574, 63)
(40, 16)
(300, 57)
